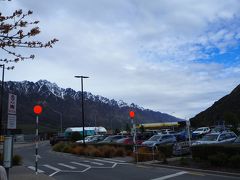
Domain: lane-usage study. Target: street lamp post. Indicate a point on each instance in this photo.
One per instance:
(82, 77)
(1, 103)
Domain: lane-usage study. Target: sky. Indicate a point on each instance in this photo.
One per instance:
(176, 57)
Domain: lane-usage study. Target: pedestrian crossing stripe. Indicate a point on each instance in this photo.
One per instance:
(68, 166)
(33, 168)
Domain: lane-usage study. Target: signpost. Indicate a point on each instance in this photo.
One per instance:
(7, 153)
(132, 114)
(37, 110)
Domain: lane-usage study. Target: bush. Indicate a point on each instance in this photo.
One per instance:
(234, 161)
(75, 136)
(17, 160)
(78, 150)
(59, 146)
(120, 152)
(220, 159)
(166, 150)
(204, 151)
(143, 154)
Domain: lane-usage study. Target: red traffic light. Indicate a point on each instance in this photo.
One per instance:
(37, 109)
(131, 114)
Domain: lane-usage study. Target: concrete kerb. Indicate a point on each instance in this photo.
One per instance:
(210, 172)
(23, 173)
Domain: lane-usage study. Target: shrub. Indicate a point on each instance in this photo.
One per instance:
(204, 151)
(79, 150)
(67, 149)
(143, 154)
(234, 161)
(120, 152)
(219, 159)
(183, 161)
(166, 149)
(59, 146)
(108, 151)
(75, 136)
(17, 160)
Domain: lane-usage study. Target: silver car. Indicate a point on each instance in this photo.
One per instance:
(160, 139)
(217, 138)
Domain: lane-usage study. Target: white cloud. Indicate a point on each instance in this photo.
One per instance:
(137, 50)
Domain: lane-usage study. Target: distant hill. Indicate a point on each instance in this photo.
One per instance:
(226, 110)
(99, 110)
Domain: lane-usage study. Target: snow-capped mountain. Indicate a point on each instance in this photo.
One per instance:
(98, 110)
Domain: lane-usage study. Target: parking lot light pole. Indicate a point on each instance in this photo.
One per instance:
(1, 103)
(82, 77)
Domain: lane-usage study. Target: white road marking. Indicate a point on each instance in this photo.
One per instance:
(171, 175)
(51, 167)
(65, 165)
(96, 163)
(116, 160)
(81, 164)
(105, 161)
(33, 168)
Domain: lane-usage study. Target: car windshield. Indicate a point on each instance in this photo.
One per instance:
(210, 137)
(237, 140)
(154, 138)
(199, 129)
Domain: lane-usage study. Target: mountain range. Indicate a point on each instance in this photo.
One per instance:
(224, 111)
(99, 111)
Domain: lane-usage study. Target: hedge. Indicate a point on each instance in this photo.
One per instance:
(204, 151)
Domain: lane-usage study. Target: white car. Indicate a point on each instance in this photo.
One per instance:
(87, 139)
(217, 138)
(201, 131)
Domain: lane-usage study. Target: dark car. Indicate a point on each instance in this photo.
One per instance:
(56, 139)
(112, 139)
(237, 141)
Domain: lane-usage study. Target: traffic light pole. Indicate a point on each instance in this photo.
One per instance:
(36, 149)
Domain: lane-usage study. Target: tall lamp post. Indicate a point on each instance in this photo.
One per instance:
(1, 103)
(82, 77)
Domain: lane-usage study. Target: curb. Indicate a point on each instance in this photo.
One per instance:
(210, 172)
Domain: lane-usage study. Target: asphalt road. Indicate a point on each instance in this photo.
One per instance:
(70, 167)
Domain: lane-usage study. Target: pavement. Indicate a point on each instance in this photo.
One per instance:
(23, 173)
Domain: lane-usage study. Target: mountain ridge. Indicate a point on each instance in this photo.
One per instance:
(99, 110)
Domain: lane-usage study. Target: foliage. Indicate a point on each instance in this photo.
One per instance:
(75, 136)
(219, 159)
(167, 150)
(91, 150)
(218, 155)
(17, 160)
(142, 129)
(204, 151)
(18, 32)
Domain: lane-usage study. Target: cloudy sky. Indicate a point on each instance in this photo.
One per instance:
(172, 56)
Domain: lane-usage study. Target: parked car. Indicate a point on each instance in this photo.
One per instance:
(160, 139)
(237, 140)
(112, 139)
(199, 132)
(166, 131)
(183, 135)
(87, 139)
(56, 139)
(97, 138)
(219, 128)
(216, 138)
(129, 140)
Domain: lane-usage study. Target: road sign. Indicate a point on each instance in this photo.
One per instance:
(12, 119)
(12, 103)
(37, 109)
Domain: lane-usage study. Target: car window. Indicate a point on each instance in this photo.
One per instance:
(222, 137)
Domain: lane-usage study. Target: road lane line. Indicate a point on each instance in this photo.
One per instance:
(51, 167)
(96, 163)
(170, 176)
(116, 160)
(33, 168)
(104, 161)
(68, 166)
(81, 164)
